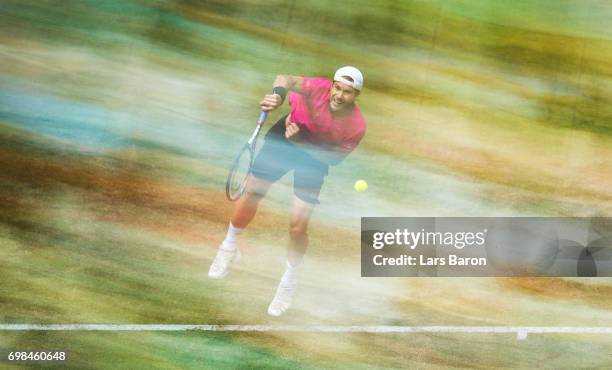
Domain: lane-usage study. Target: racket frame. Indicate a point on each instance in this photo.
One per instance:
(250, 146)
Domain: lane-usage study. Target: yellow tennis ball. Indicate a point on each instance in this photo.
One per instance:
(361, 185)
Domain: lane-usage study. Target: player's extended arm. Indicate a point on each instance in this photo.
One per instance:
(282, 85)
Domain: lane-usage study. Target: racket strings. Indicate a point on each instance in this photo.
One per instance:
(239, 174)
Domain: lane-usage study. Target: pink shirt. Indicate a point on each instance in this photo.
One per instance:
(310, 110)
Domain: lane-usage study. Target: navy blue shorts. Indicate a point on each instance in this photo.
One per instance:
(279, 156)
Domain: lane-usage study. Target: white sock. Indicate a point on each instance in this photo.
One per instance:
(289, 278)
(231, 239)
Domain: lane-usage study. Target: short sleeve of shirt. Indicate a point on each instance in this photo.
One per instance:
(317, 85)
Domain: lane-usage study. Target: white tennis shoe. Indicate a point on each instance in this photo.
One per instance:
(220, 265)
(282, 300)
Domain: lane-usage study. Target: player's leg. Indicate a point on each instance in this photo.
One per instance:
(246, 206)
(244, 212)
(298, 243)
(308, 179)
(298, 231)
(269, 166)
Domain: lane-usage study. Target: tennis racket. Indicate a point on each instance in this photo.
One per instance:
(241, 168)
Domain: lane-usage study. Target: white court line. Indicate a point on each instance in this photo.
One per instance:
(520, 331)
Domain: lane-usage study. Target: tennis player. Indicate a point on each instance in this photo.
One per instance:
(324, 126)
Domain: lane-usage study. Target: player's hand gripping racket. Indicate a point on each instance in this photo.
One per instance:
(240, 170)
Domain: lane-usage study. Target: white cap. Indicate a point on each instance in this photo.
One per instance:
(351, 72)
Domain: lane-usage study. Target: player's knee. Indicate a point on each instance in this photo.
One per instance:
(298, 233)
(254, 194)
(256, 189)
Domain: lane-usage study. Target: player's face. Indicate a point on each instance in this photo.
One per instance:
(342, 96)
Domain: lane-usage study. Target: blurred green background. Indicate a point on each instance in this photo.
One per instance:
(118, 120)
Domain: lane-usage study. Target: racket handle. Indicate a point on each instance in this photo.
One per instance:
(262, 117)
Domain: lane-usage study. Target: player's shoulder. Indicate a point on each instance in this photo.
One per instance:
(313, 83)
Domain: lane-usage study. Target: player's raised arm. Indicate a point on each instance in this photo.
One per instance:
(282, 85)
